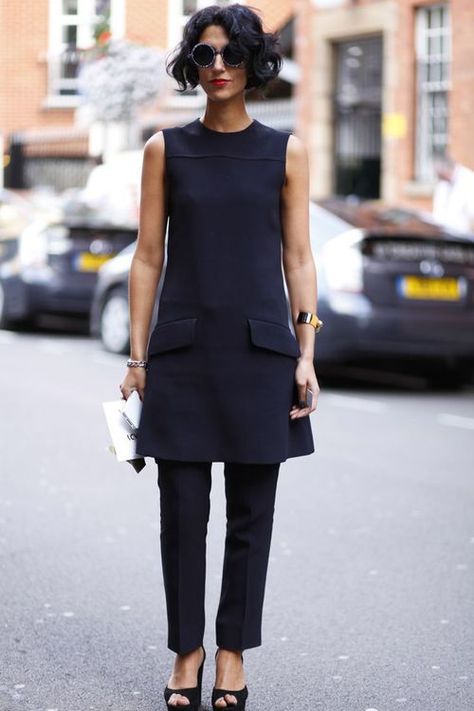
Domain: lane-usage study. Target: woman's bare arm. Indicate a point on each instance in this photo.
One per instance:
(298, 263)
(148, 258)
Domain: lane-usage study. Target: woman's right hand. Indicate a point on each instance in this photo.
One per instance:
(134, 380)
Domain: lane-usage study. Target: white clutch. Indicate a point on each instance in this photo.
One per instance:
(123, 429)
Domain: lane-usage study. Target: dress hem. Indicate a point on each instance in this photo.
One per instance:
(220, 459)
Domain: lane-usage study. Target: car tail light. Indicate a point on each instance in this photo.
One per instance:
(58, 239)
(37, 241)
(342, 262)
(33, 246)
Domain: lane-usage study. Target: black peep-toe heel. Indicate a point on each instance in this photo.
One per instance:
(240, 694)
(193, 693)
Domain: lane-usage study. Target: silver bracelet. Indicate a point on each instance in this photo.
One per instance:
(137, 363)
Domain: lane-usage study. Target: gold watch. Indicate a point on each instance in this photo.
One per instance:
(312, 319)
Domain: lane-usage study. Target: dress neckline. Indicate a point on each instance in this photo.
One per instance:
(227, 133)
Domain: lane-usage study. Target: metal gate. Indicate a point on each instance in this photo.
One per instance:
(57, 158)
(357, 112)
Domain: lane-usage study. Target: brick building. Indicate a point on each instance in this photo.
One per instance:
(379, 85)
(384, 85)
(40, 44)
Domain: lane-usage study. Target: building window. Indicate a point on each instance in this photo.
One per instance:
(179, 12)
(433, 56)
(71, 30)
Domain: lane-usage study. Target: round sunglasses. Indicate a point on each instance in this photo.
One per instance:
(204, 55)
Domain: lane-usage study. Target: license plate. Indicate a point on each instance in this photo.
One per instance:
(436, 288)
(88, 262)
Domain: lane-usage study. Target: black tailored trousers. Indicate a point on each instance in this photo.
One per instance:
(250, 491)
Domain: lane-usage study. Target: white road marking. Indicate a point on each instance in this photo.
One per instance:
(356, 403)
(446, 418)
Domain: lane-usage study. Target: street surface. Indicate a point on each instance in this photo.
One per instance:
(370, 587)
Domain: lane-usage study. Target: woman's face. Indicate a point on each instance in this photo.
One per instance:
(219, 81)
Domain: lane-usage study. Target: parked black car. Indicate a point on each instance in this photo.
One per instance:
(51, 265)
(391, 283)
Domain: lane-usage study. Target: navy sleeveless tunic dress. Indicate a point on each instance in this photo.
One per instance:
(221, 356)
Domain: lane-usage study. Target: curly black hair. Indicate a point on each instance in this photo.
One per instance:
(243, 26)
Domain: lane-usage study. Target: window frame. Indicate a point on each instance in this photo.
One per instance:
(84, 20)
(427, 90)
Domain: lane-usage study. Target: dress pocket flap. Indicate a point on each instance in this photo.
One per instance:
(172, 334)
(273, 336)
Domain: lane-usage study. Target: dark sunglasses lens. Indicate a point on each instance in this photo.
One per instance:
(203, 54)
(232, 55)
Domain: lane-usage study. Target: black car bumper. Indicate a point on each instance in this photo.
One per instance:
(60, 294)
(381, 331)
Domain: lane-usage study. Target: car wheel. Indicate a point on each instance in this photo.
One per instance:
(114, 322)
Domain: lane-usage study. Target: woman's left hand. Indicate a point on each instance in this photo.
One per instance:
(305, 378)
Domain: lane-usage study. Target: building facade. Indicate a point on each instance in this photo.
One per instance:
(385, 85)
(41, 44)
(374, 87)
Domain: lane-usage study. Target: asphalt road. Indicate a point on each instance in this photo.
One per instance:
(370, 590)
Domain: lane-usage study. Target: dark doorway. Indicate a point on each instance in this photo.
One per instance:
(357, 113)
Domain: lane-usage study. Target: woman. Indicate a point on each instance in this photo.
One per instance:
(226, 379)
